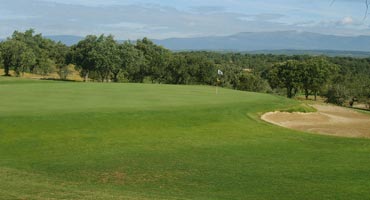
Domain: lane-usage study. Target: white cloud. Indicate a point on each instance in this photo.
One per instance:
(347, 21)
(128, 25)
(163, 19)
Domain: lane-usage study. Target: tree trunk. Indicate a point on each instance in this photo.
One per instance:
(306, 93)
(106, 78)
(315, 95)
(86, 78)
(6, 71)
(289, 93)
(115, 77)
(295, 92)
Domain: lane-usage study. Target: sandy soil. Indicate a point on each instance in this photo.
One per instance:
(329, 120)
(73, 76)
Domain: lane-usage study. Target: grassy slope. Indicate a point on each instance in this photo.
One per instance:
(126, 141)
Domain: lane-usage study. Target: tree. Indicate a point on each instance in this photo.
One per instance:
(1, 57)
(316, 73)
(59, 54)
(17, 56)
(64, 71)
(177, 70)
(358, 87)
(132, 63)
(25, 59)
(40, 54)
(251, 82)
(45, 66)
(7, 56)
(82, 56)
(287, 75)
(200, 69)
(337, 94)
(96, 55)
(157, 59)
(40, 46)
(105, 56)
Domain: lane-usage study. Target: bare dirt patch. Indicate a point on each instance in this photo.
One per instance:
(328, 120)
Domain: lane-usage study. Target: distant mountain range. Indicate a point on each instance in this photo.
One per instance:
(270, 41)
(66, 39)
(331, 53)
(280, 42)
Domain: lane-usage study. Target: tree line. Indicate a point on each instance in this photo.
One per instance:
(102, 58)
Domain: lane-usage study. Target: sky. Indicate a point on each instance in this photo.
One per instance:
(132, 19)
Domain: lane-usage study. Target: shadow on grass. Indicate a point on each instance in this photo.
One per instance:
(59, 80)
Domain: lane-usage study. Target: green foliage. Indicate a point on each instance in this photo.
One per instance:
(17, 56)
(64, 72)
(105, 56)
(310, 75)
(45, 67)
(254, 83)
(177, 70)
(1, 56)
(287, 75)
(192, 68)
(200, 70)
(360, 88)
(81, 55)
(337, 94)
(316, 73)
(133, 63)
(157, 59)
(29, 52)
(353, 78)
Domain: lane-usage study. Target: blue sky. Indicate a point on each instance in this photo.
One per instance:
(132, 19)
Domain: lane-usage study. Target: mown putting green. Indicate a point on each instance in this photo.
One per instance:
(61, 140)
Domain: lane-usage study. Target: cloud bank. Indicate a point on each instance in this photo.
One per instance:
(134, 19)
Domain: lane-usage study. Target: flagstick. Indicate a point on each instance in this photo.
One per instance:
(219, 73)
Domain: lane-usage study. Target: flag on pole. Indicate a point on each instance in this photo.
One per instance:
(220, 73)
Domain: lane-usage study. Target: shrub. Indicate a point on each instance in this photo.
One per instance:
(336, 94)
(253, 83)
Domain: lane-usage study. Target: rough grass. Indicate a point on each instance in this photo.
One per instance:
(303, 108)
(61, 140)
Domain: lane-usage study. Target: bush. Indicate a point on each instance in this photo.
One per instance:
(336, 94)
(64, 71)
(253, 83)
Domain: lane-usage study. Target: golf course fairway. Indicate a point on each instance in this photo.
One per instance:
(64, 140)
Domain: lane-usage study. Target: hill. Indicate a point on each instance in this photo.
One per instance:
(251, 41)
(282, 42)
(68, 40)
(62, 140)
(331, 53)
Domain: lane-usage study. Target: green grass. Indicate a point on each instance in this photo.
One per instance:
(303, 108)
(61, 140)
(360, 110)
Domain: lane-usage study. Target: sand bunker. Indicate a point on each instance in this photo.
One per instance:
(329, 120)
